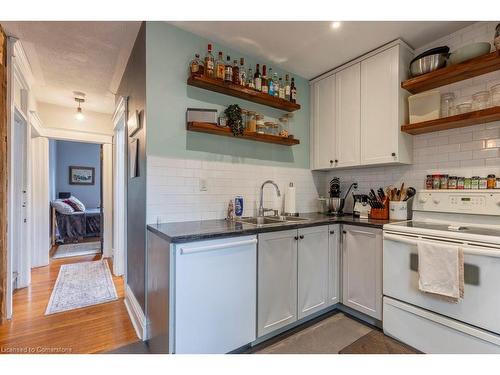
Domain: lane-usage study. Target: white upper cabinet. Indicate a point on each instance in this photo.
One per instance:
(383, 108)
(347, 116)
(323, 104)
(358, 111)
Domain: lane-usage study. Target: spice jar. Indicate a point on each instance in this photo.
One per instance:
(251, 122)
(428, 182)
(467, 183)
(483, 183)
(452, 182)
(436, 181)
(475, 182)
(461, 183)
(491, 181)
(444, 182)
(261, 129)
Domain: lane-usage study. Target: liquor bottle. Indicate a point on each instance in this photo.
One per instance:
(264, 87)
(281, 91)
(250, 81)
(236, 73)
(196, 66)
(228, 72)
(257, 79)
(293, 92)
(270, 83)
(287, 87)
(209, 62)
(276, 85)
(220, 67)
(243, 72)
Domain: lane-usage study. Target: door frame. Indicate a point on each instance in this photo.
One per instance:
(120, 187)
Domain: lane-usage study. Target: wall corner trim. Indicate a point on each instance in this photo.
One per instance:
(136, 314)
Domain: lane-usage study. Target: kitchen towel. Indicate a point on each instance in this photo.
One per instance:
(290, 200)
(441, 270)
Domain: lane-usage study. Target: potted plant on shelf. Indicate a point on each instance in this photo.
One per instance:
(234, 119)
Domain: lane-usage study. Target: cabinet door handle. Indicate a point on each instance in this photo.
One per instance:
(331, 161)
(301, 236)
(332, 232)
(336, 161)
(344, 232)
(393, 154)
(296, 238)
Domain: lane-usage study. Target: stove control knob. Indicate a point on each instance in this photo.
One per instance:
(422, 199)
(436, 201)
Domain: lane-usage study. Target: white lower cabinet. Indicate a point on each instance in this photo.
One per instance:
(277, 281)
(312, 270)
(362, 269)
(298, 275)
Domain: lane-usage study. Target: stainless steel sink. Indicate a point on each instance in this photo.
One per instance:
(271, 220)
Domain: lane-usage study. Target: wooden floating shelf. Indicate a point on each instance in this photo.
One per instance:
(453, 73)
(452, 122)
(205, 127)
(241, 92)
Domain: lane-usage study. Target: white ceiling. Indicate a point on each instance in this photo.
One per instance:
(76, 56)
(312, 48)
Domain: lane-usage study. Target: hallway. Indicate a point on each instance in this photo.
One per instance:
(94, 329)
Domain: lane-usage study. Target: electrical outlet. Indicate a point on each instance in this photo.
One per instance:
(203, 184)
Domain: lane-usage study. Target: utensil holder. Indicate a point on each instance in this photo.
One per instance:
(398, 210)
(380, 213)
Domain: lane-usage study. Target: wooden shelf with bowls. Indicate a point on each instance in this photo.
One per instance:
(205, 127)
(452, 122)
(453, 73)
(241, 92)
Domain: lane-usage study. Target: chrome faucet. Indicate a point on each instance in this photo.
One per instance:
(262, 210)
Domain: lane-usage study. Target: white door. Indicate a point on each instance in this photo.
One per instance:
(276, 280)
(362, 269)
(312, 270)
(348, 115)
(333, 264)
(379, 107)
(323, 145)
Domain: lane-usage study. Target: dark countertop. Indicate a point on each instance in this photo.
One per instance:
(190, 231)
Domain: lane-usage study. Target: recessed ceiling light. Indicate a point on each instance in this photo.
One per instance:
(335, 24)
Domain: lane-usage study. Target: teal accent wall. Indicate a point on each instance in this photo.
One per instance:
(168, 52)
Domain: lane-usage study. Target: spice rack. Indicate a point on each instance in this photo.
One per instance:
(205, 127)
(237, 91)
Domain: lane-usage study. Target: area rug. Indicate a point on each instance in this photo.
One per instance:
(77, 249)
(376, 342)
(81, 285)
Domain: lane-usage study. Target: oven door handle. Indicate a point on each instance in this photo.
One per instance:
(467, 249)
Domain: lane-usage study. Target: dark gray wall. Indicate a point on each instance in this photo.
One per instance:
(133, 85)
(81, 155)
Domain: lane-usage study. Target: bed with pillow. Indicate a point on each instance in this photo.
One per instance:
(73, 221)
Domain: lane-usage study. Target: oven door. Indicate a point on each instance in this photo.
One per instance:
(481, 304)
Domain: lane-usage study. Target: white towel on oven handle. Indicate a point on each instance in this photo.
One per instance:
(441, 270)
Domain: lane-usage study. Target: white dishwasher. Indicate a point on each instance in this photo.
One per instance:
(215, 295)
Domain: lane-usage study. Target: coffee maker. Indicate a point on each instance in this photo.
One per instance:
(361, 207)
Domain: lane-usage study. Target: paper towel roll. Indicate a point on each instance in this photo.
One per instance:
(290, 200)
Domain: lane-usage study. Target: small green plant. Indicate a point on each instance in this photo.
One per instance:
(234, 119)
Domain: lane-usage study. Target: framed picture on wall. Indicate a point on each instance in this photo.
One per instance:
(134, 123)
(132, 152)
(81, 175)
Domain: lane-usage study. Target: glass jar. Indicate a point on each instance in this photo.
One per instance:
(491, 181)
(467, 183)
(475, 182)
(251, 122)
(436, 181)
(452, 182)
(496, 39)
(495, 95)
(483, 183)
(428, 182)
(244, 117)
(480, 100)
(283, 127)
(447, 104)
(461, 183)
(259, 120)
(261, 129)
(463, 108)
(497, 183)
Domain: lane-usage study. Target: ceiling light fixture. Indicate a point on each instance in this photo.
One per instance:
(79, 114)
(335, 24)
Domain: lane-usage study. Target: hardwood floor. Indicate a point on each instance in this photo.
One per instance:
(93, 329)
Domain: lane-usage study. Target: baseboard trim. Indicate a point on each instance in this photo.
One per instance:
(136, 314)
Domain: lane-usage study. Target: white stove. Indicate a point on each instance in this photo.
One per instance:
(470, 219)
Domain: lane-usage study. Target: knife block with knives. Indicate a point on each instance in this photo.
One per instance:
(381, 213)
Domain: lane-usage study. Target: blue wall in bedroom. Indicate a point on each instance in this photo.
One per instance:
(169, 50)
(84, 155)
